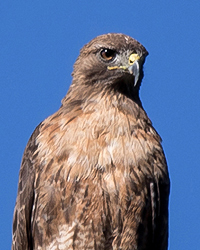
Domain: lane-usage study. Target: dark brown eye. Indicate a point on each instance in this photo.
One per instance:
(108, 54)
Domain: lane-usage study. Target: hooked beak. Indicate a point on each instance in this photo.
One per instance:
(133, 69)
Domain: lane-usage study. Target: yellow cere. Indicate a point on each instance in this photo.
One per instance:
(133, 58)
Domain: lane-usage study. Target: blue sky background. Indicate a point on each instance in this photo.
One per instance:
(40, 41)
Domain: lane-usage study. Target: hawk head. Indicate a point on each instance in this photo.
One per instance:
(112, 61)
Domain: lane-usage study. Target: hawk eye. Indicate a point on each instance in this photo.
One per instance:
(108, 54)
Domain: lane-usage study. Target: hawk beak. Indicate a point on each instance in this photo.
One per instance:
(135, 67)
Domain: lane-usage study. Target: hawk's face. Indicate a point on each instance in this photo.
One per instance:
(111, 60)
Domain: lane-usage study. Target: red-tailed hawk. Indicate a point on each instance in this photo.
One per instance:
(94, 175)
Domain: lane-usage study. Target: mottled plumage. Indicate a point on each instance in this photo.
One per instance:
(94, 175)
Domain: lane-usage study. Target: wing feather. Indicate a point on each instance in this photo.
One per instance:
(23, 209)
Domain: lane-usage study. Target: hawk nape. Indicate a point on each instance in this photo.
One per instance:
(94, 175)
